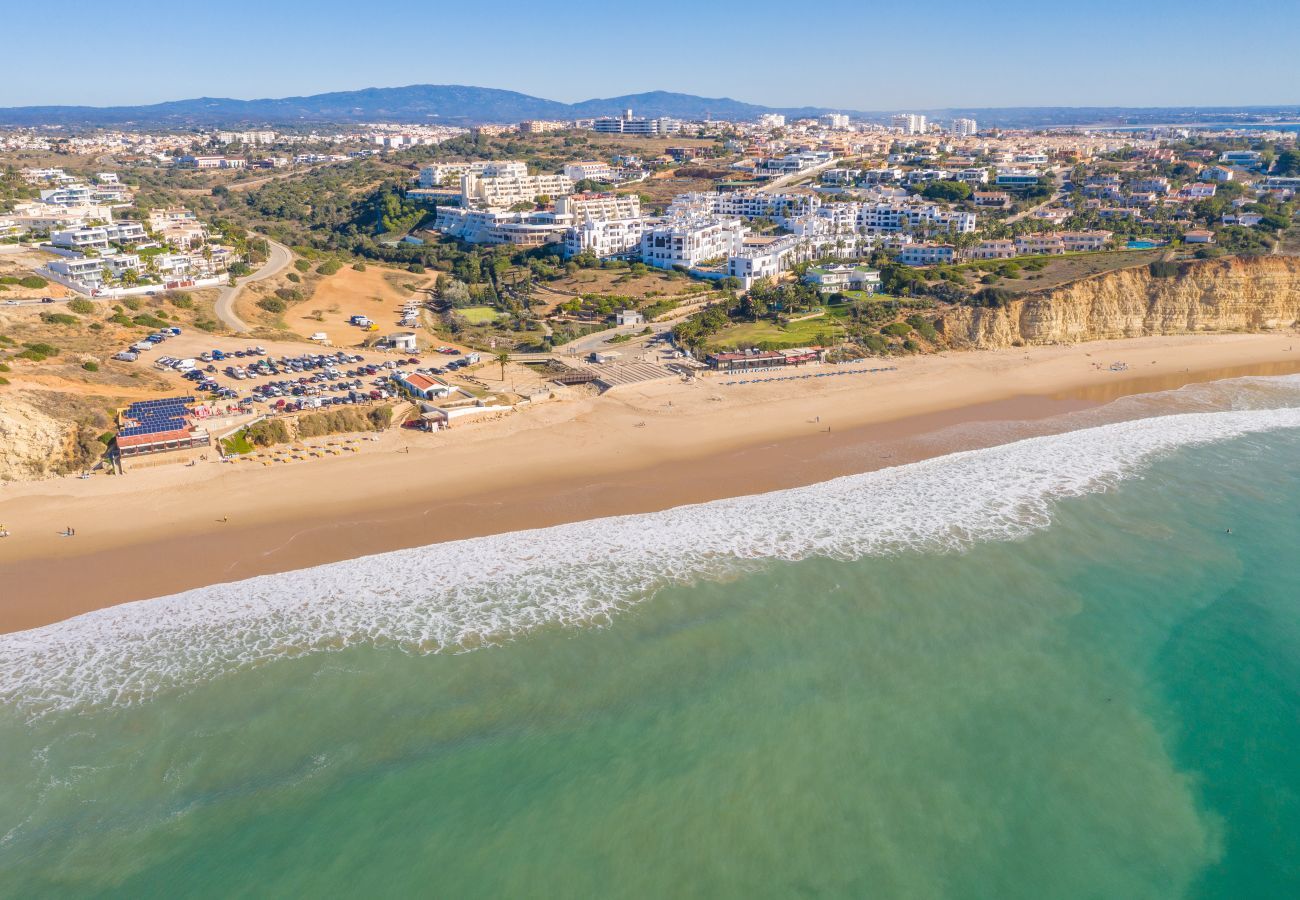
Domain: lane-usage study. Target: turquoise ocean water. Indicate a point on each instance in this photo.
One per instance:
(1040, 670)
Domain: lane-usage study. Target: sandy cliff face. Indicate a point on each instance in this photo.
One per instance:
(1210, 295)
(31, 442)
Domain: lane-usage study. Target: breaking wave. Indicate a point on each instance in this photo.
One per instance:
(467, 594)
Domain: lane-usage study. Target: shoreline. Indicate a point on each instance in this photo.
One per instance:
(654, 448)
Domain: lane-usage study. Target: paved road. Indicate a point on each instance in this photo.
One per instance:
(276, 261)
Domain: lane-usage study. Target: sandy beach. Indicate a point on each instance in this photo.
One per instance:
(169, 528)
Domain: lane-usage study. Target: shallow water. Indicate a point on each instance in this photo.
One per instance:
(1038, 670)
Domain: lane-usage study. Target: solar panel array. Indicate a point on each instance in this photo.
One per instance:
(157, 416)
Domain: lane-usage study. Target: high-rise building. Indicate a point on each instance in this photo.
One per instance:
(910, 123)
(964, 127)
(837, 121)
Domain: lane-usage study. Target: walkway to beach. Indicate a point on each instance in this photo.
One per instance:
(812, 375)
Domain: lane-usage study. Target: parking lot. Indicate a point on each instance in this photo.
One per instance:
(284, 377)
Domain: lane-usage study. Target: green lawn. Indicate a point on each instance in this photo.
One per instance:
(479, 315)
(797, 334)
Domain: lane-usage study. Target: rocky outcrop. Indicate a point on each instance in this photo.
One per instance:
(1256, 294)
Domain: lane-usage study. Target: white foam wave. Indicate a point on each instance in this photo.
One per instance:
(467, 594)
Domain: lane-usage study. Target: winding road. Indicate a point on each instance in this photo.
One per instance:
(277, 260)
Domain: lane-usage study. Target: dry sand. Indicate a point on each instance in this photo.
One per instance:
(165, 529)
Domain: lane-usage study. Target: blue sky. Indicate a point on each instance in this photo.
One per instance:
(854, 55)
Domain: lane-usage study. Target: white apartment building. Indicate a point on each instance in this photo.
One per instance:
(797, 162)
(46, 216)
(927, 254)
(771, 120)
(909, 123)
(973, 175)
(98, 237)
(584, 207)
(964, 127)
(994, 249)
(746, 204)
(605, 237)
(494, 226)
(595, 171)
(690, 240)
(834, 121)
(1057, 242)
(887, 217)
(507, 190)
(541, 126)
(88, 272)
(760, 261)
(246, 137)
(69, 195)
(629, 124)
(440, 173)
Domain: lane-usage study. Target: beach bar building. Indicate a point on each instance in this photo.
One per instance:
(763, 360)
(158, 426)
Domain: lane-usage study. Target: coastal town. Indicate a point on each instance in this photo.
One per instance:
(716, 450)
(793, 242)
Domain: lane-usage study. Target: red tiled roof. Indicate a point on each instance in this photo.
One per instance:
(421, 382)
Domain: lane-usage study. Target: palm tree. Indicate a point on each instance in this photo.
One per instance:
(502, 358)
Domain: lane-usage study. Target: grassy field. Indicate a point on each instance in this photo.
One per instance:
(479, 315)
(654, 283)
(797, 334)
(1060, 270)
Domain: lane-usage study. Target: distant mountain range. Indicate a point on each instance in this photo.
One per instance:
(463, 105)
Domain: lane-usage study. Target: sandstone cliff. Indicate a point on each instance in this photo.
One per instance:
(1231, 294)
(32, 442)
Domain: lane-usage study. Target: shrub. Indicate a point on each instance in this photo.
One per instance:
(272, 304)
(416, 268)
(267, 432)
(294, 277)
(90, 366)
(288, 295)
(181, 300)
(1163, 268)
(131, 303)
(81, 307)
(50, 318)
(875, 343)
(33, 282)
(922, 326)
(329, 268)
(358, 267)
(302, 265)
(4, 367)
(897, 329)
(148, 321)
